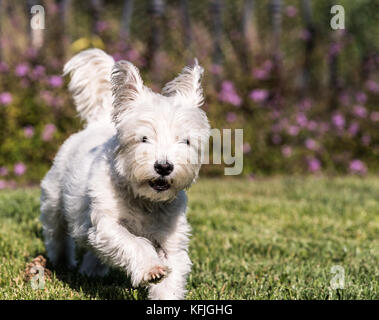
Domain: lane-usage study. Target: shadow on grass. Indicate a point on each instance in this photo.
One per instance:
(115, 285)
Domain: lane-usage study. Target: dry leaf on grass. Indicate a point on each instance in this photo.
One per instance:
(33, 268)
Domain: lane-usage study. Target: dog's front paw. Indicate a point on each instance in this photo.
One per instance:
(156, 274)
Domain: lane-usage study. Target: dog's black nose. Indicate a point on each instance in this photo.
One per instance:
(163, 168)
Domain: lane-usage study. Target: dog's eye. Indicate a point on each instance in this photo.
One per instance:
(187, 142)
(144, 139)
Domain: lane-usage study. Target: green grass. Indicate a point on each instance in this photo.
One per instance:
(275, 238)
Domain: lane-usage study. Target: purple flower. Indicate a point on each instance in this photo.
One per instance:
(231, 117)
(21, 69)
(260, 74)
(353, 128)
(344, 99)
(48, 132)
(312, 125)
(305, 35)
(293, 130)
(361, 97)
(335, 48)
(246, 148)
(28, 131)
(132, 55)
(216, 69)
(46, 97)
(338, 120)
(314, 164)
(306, 104)
(301, 119)
(310, 144)
(258, 95)
(228, 94)
(360, 111)
(3, 184)
(37, 72)
(101, 26)
(276, 139)
(55, 81)
(372, 86)
(374, 116)
(286, 151)
(19, 169)
(366, 139)
(3, 171)
(358, 167)
(5, 98)
(3, 67)
(291, 11)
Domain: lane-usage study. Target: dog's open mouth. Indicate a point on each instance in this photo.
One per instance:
(159, 184)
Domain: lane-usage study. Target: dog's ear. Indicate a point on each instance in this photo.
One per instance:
(187, 84)
(127, 86)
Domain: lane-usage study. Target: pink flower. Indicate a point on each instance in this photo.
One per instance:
(55, 81)
(374, 116)
(5, 98)
(101, 26)
(28, 131)
(338, 120)
(132, 55)
(231, 117)
(228, 94)
(48, 132)
(353, 128)
(19, 169)
(314, 164)
(372, 86)
(360, 111)
(3, 184)
(302, 119)
(293, 130)
(216, 69)
(21, 69)
(358, 167)
(291, 11)
(258, 95)
(46, 97)
(286, 151)
(366, 139)
(310, 144)
(246, 148)
(3, 67)
(37, 72)
(3, 171)
(260, 74)
(312, 125)
(361, 97)
(276, 139)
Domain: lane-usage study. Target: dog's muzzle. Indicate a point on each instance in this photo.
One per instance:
(159, 184)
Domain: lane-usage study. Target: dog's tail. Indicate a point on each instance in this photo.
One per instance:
(90, 84)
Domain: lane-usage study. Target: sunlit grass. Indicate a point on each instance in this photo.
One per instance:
(275, 238)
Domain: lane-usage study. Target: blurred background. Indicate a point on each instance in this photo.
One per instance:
(306, 95)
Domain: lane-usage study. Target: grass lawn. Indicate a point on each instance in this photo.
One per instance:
(275, 238)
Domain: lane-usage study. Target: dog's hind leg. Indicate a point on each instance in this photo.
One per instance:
(60, 246)
(92, 266)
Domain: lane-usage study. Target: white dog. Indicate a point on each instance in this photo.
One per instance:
(117, 187)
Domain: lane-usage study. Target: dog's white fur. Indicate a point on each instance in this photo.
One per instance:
(97, 194)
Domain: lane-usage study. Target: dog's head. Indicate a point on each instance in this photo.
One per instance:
(161, 137)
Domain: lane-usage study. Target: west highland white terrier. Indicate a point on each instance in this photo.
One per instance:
(116, 188)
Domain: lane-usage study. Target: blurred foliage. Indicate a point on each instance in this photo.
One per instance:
(305, 95)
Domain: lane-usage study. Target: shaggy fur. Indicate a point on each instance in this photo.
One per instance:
(103, 191)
